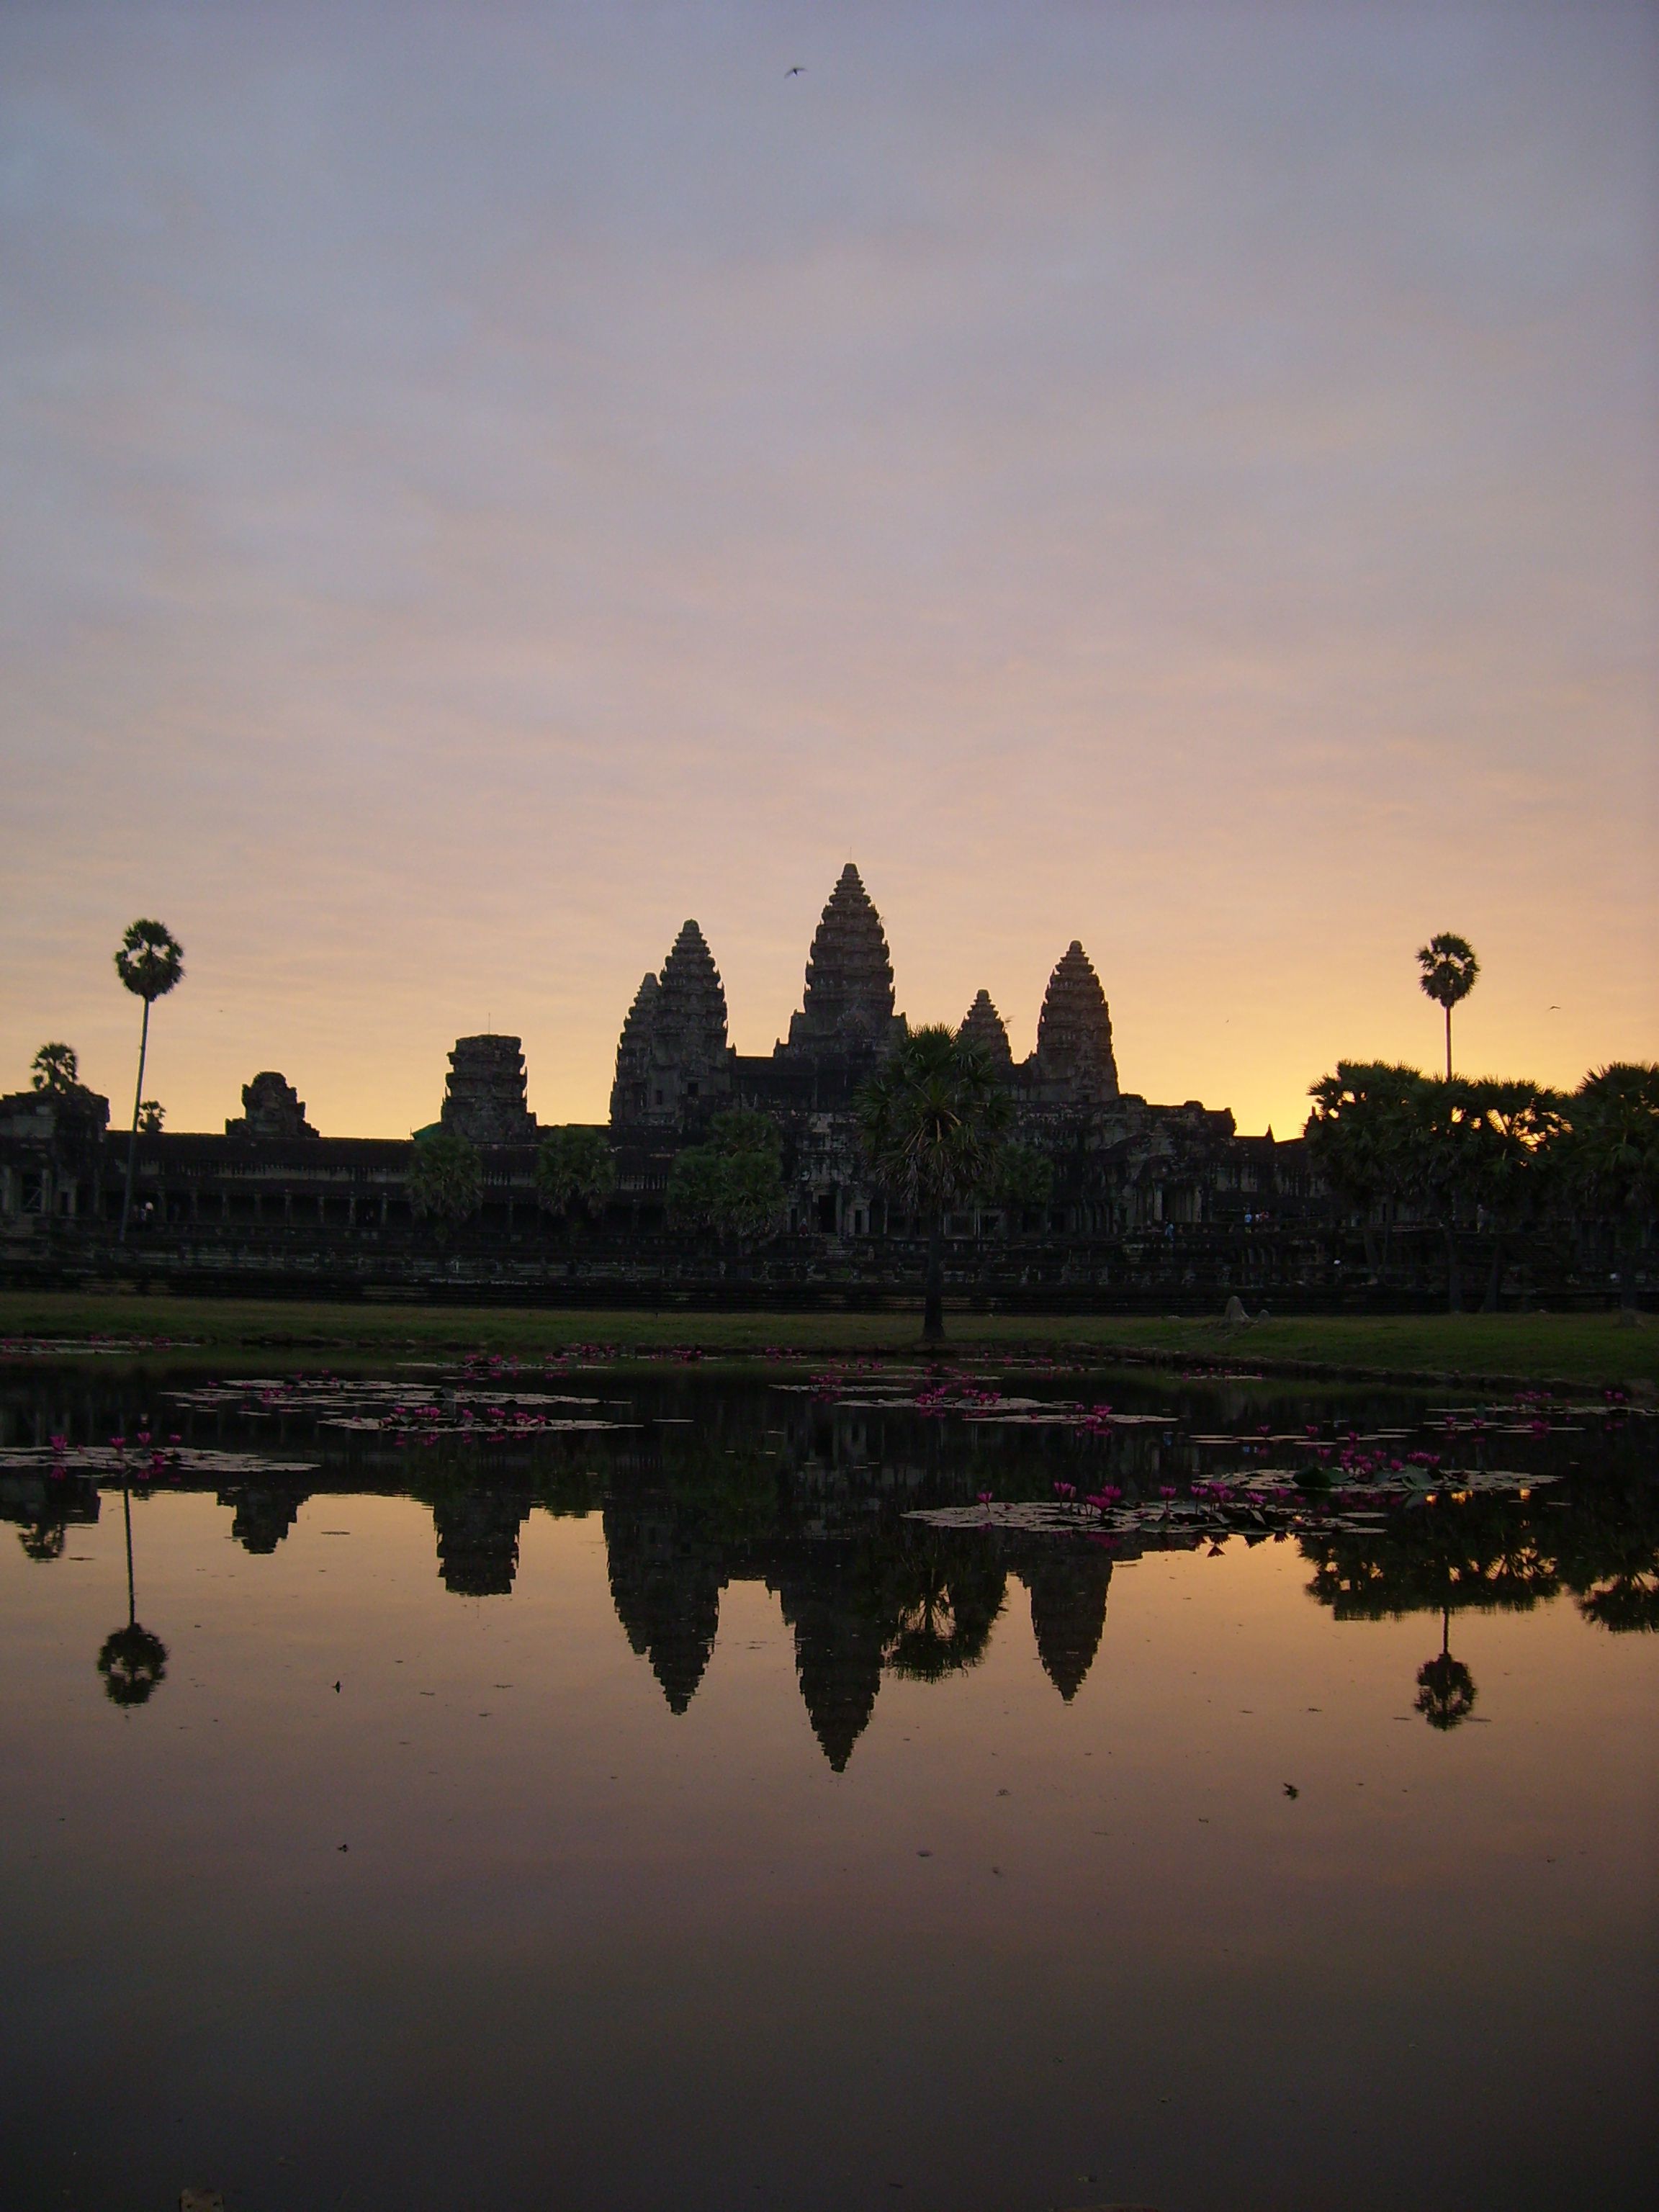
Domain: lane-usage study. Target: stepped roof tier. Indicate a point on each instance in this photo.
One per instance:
(1074, 1063)
(484, 1098)
(984, 1026)
(848, 1002)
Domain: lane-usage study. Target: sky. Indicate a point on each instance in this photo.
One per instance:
(480, 485)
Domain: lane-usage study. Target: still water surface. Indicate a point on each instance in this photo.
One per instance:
(688, 1827)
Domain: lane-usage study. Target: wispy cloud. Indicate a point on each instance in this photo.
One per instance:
(480, 486)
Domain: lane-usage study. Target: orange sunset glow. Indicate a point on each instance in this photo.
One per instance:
(483, 487)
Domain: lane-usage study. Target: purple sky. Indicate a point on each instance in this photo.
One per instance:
(480, 485)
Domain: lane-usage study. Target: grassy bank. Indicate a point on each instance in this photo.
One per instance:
(1582, 1348)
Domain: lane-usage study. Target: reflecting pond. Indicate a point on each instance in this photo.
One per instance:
(618, 1785)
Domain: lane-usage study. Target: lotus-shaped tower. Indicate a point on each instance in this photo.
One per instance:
(848, 1002)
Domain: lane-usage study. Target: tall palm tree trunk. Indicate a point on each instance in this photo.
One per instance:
(1448, 1072)
(126, 1509)
(132, 1141)
(933, 1296)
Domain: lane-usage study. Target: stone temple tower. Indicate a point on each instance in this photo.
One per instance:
(673, 1059)
(1074, 1064)
(484, 1099)
(631, 1094)
(984, 1026)
(849, 1003)
(271, 1108)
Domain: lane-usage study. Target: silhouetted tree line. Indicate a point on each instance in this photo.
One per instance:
(1465, 1152)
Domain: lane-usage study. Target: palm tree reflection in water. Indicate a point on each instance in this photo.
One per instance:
(132, 1661)
(948, 1600)
(1445, 1687)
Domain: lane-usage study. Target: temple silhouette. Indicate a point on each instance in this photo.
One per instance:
(675, 1065)
(1131, 1203)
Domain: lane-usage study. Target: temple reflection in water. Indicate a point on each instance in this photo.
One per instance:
(701, 1487)
(921, 1603)
(867, 1593)
(893, 1598)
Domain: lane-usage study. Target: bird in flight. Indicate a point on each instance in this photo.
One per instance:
(799, 69)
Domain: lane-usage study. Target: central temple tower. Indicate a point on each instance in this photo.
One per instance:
(849, 1003)
(1073, 1064)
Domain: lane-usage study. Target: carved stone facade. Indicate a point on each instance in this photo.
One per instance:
(52, 1147)
(271, 1107)
(484, 1098)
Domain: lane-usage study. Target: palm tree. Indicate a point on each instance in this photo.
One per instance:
(575, 1172)
(1023, 1181)
(56, 1068)
(1359, 1136)
(1517, 1126)
(446, 1180)
(732, 1184)
(932, 1118)
(150, 961)
(1449, 973)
